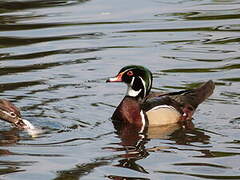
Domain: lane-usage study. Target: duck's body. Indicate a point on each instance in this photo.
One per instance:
(142, 108)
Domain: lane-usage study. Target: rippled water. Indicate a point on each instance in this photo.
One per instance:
(55, 56)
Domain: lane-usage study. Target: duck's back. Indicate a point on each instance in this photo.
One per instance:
(169, 108)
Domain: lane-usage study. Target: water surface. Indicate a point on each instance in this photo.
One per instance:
(54, 59)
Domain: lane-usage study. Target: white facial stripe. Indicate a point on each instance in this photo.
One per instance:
(144, 86)
(133, 79)
(143, 121)
(150, 81)
(127, 70)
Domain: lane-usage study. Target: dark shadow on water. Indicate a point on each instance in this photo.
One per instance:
(8, 137)
(34, 67)
(17, 85)
(202, 15)
(24, 41)
(187, 136)
(22, 26)
(201, 175)
(126, 178)
(79, 171)
(9, 6)
(13, 21)
(9, 170)
(204, 70)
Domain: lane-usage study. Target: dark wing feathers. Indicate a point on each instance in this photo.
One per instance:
(181, 99)
(195, 96)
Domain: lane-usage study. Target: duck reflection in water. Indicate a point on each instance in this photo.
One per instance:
(8, 137)
(134, 144)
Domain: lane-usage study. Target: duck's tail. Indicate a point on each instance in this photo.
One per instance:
(196, 96)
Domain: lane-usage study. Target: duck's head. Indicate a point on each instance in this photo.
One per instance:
(10, 113)
(138, 79)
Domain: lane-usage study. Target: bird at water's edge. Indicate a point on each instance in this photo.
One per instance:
(141, 108)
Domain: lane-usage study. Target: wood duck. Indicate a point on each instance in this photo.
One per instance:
(142, 108)
(10, 113)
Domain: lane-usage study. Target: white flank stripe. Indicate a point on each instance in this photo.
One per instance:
(162, 106)
(143, 121)
(144, 86)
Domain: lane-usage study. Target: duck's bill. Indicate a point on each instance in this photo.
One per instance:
(118, 78)
(31, 129)
(27, 124)
(23, 124)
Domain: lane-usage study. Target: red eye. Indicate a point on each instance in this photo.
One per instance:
(130, 73)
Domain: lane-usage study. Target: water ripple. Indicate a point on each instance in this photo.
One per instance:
(202, 175)
(34, 67)
(203, 70)
(20, 41)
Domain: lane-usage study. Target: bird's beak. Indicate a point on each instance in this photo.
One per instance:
(24, 124)
(118, 78)
(20, 124)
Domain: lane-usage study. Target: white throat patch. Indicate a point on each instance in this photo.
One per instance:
(132, 93)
